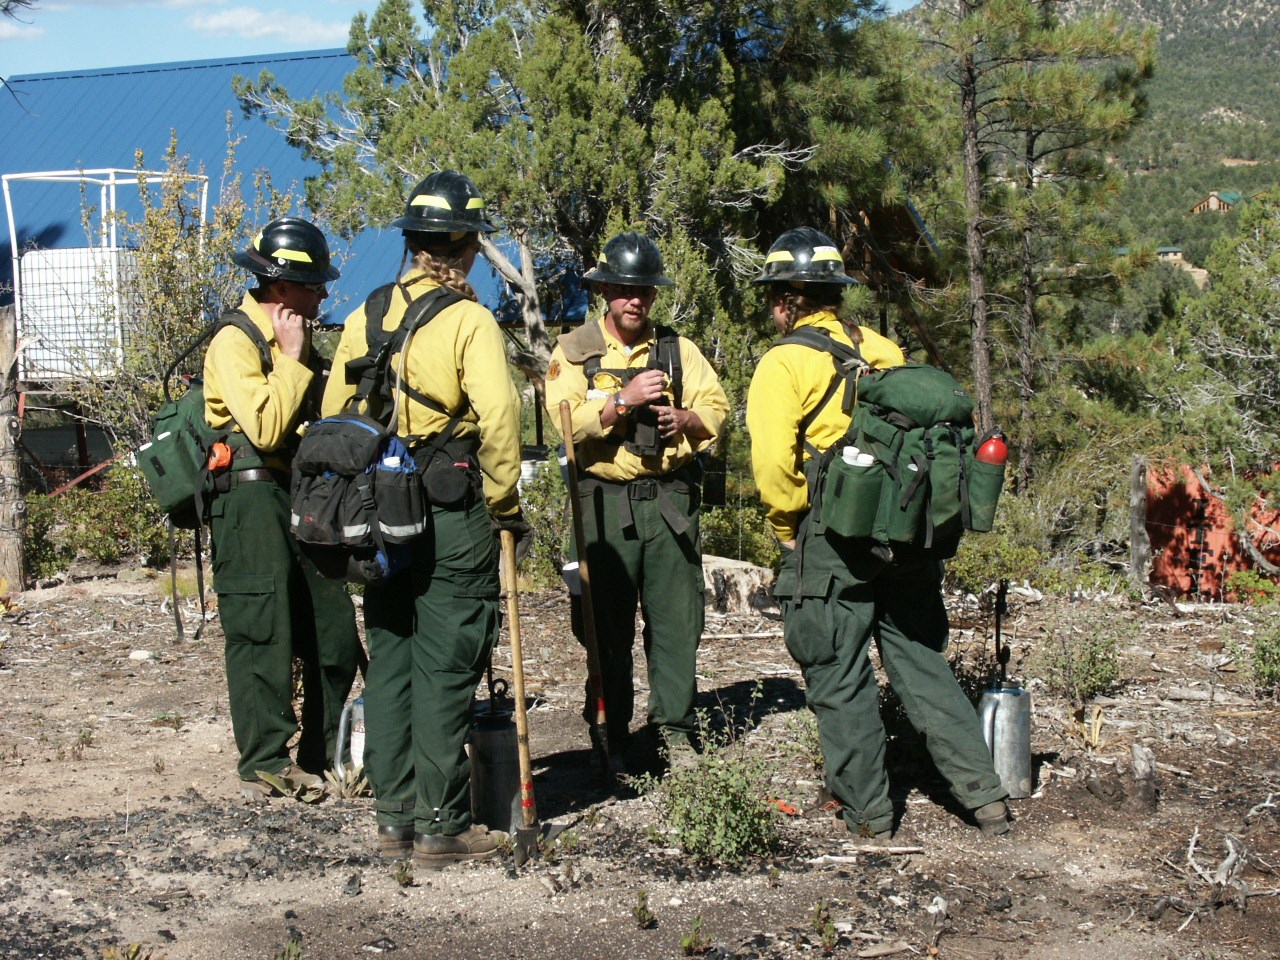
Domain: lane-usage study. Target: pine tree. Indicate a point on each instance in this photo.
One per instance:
(1039, 104)
(1228, 409)
(711, 126)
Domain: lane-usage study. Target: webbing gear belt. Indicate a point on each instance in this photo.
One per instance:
(643, 488)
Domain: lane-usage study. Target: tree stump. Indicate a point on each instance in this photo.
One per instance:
(735, 586)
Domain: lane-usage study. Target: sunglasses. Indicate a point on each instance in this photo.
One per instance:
(319, 289)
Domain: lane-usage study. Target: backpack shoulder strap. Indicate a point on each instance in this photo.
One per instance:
(375, 309)
(240, 320)
(236, 318)
(421, 312)
(849, 365)
(666, 357)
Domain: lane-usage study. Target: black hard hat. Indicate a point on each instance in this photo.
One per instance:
(445, 202)
(289, 249)
(804, 255)
(630, 260)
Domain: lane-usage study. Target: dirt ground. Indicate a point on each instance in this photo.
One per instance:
(120, 823)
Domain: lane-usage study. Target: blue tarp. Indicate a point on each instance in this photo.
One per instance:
(97, 119)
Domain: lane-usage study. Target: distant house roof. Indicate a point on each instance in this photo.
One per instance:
(1218, 200)
(99, 119)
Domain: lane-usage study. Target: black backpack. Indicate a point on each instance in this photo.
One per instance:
(357, 500)
(175, 461)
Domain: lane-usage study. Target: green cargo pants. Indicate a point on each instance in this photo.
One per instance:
(274, 606)
(431, 630)
(633, 554)
(845, 598)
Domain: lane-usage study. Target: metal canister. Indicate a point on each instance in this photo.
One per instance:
(1005, 712)
(495, 765)
(350, 737)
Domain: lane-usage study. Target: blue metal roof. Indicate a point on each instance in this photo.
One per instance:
(82, 120)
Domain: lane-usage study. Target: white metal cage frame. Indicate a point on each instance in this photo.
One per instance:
(69, 303)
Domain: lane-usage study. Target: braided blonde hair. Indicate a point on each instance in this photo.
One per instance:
(816, 297)
(439, 261)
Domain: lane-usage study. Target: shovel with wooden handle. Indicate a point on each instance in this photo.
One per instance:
(527, 831)
(595, 680)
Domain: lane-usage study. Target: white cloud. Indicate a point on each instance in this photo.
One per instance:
(247, 22)
(13, 31)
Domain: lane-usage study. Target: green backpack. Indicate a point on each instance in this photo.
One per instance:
(175, 460)
(905, 474)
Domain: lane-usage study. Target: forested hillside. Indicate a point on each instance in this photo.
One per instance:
(1214, 114)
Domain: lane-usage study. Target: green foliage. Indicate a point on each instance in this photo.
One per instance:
(544, 502)
(695, 942)
(713, 127)
(134, 951)
(1251, 587)
(644, 917)
(118, 523)
(718, 806)
(739, 531)
(1264, 661)
(182, 280)
(822, 924)
(1015, 550)
(802, 741)
(1081, 659)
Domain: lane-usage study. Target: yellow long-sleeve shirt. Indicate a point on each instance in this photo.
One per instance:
(264, 406)
(601, 453)
(788, 383)
(459, 360)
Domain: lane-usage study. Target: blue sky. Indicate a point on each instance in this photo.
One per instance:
(60, 35)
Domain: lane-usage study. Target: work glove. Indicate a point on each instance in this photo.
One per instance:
(519, 527)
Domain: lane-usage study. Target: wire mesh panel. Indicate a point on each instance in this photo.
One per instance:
(70, 312)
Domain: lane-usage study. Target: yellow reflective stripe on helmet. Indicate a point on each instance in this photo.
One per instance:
(826, 253)
(475, 203)
(602, 259)
(778, 256)
(295, 255)
(428, 200)
(257, 242)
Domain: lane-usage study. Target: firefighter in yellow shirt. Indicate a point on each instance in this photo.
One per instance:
(837, 593)
(645, 403)
(432, 627)
(273, 604)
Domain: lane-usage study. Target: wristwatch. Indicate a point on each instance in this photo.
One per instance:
(620, 406)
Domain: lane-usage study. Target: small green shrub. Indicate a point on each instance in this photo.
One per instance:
(118, 522)
(1015, 550)
(739, 531)
(695, 942)
(1251, 587)
(544, 502)
(719, 805)
(802, 741)
(1083, 659)
(1264, 662)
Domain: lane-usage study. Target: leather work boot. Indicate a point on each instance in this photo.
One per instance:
(436, 851)
(993, 818)
(395, 842)
(256, 791)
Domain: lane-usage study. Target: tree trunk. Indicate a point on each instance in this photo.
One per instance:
(1139, 542)
(1027, 347)
(13, 508)
(533, 362)
(974, 240)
